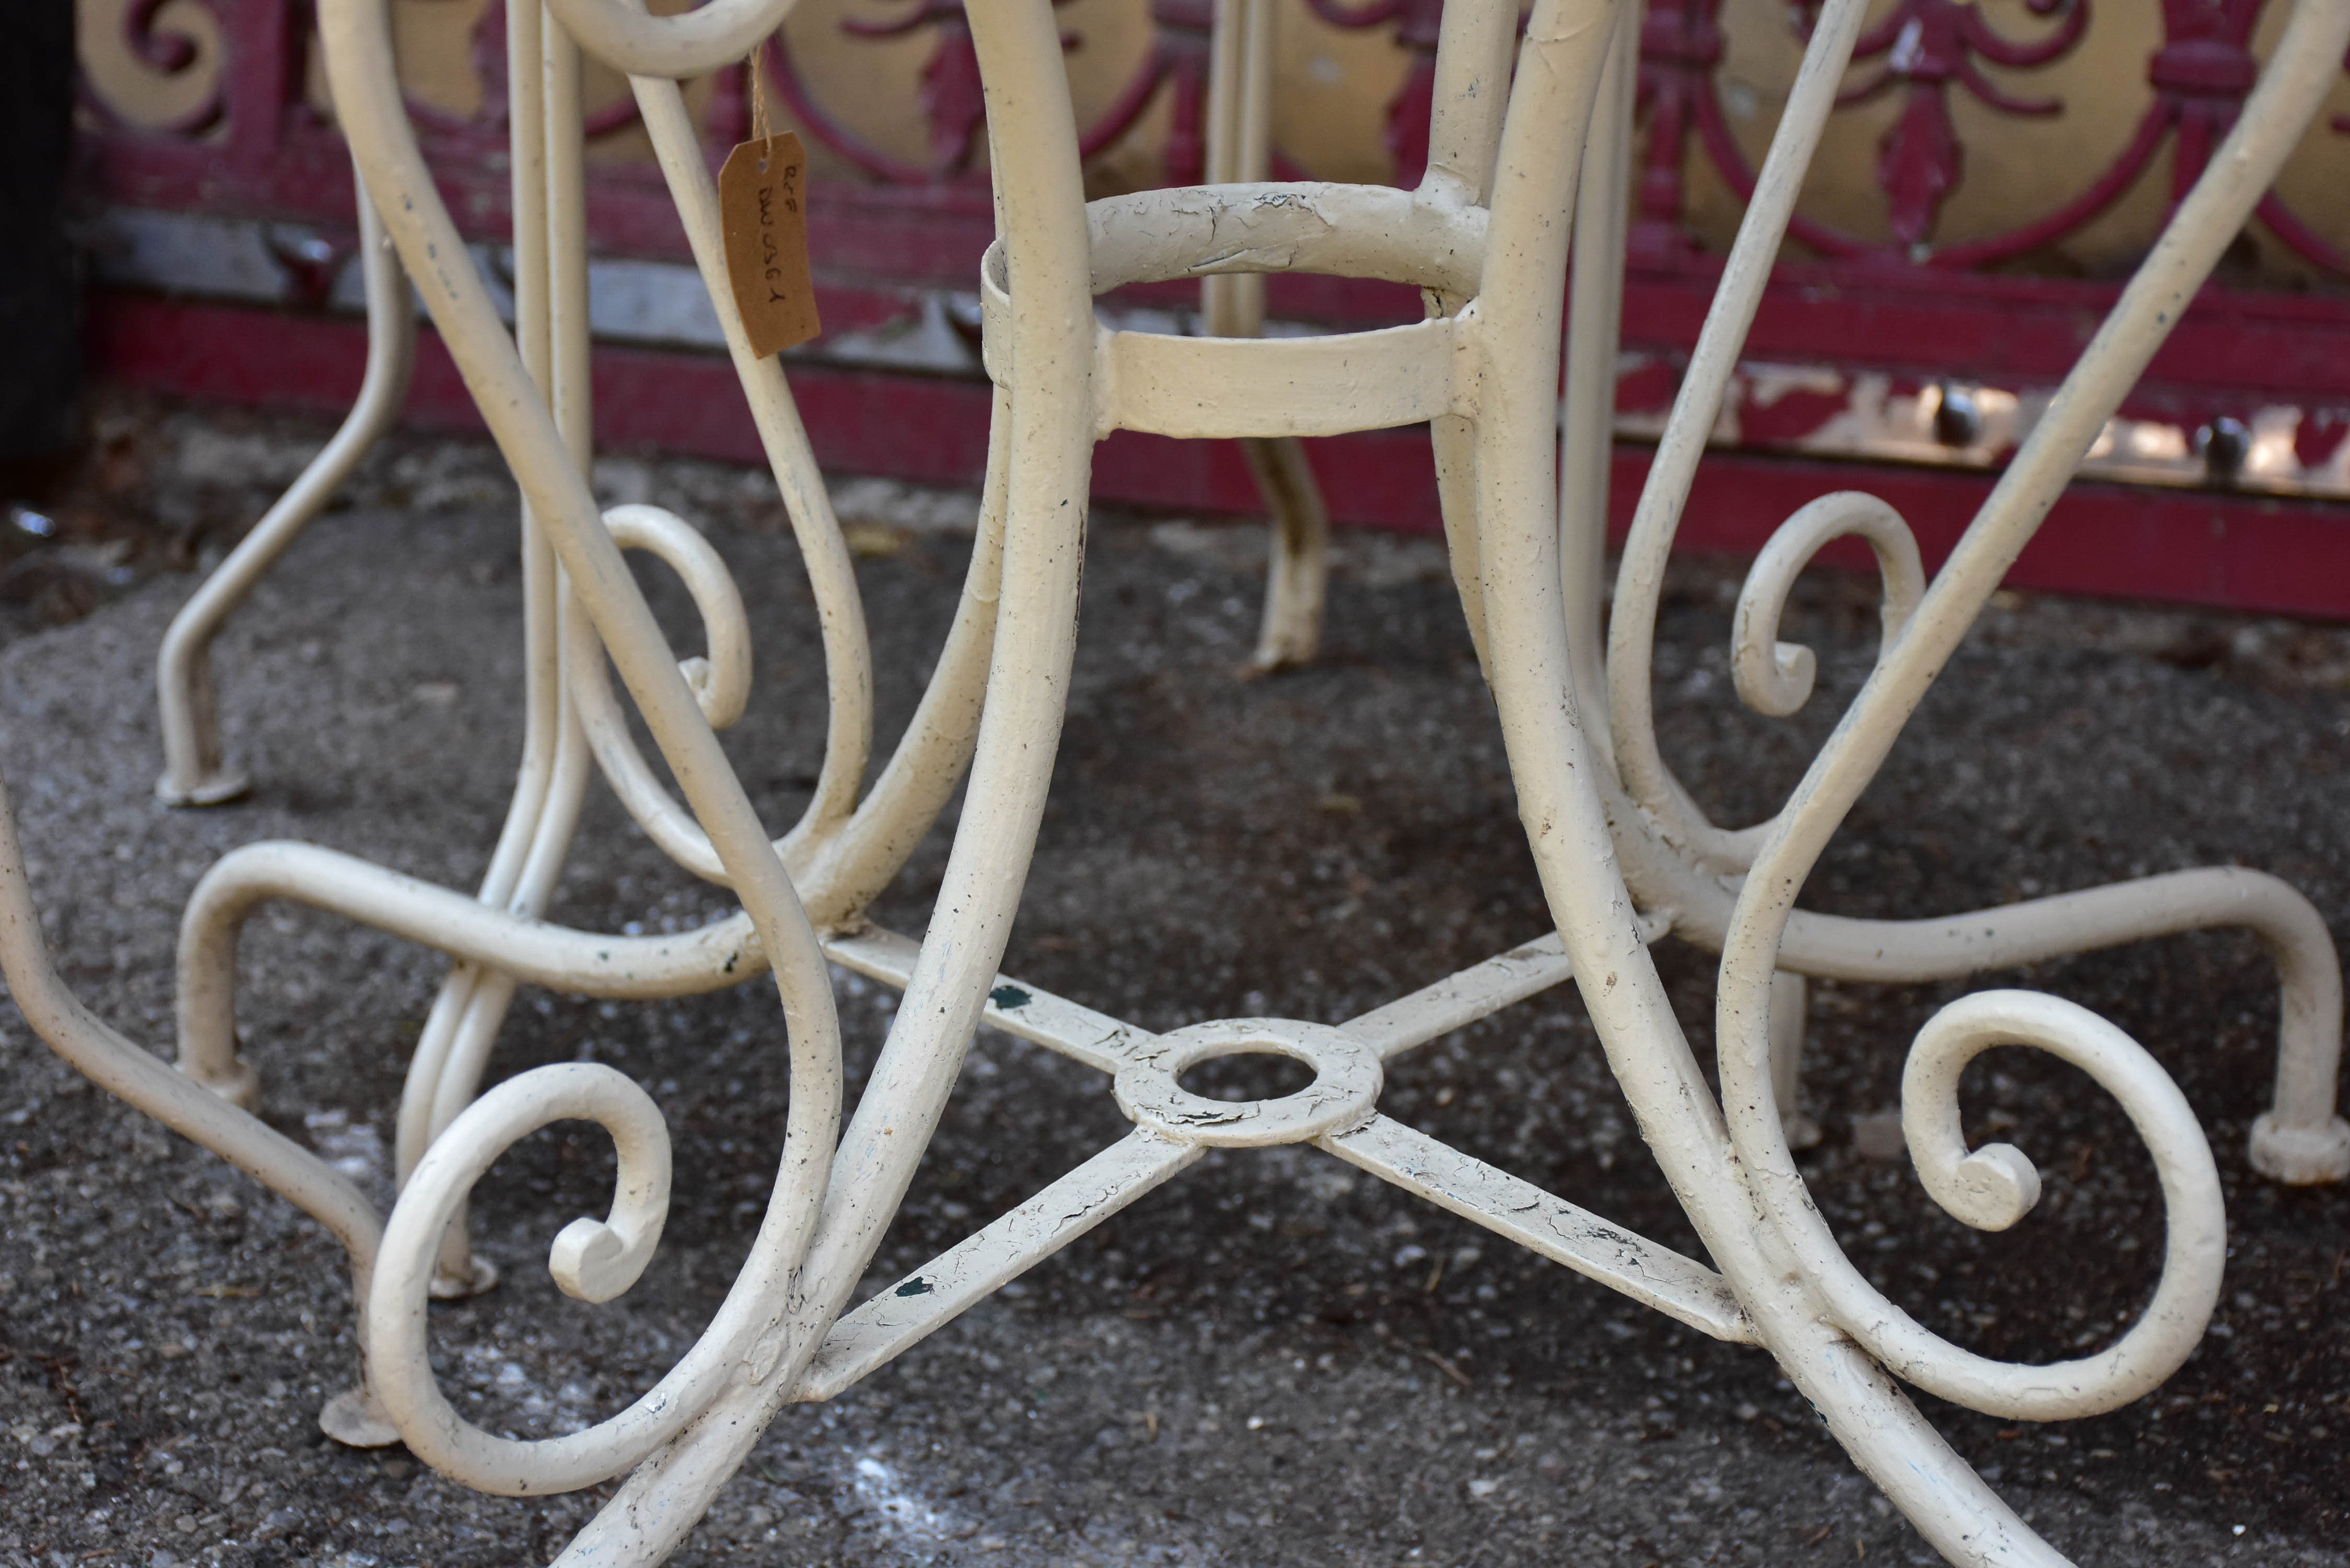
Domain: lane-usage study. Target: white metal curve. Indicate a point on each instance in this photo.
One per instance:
(188, 1107)
(720, 680)
(2291, 88)
(1040, 200)
(596, 1259)
(194, 770)
(1564, 812)
(1639, 576)
(823, 553)
(359, 54)
(550, 289)
(1773, 676)
(1992, 1187)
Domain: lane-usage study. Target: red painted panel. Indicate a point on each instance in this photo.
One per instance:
(2018, 332)
(2198, 547)
(2109, 540)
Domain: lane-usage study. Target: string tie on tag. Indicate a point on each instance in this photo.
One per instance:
(759, 131)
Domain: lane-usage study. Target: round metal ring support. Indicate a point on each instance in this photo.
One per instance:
(1347, 1079)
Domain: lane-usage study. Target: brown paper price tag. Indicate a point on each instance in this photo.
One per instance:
(762, 210)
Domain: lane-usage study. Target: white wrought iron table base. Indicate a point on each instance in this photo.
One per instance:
(1528, 146)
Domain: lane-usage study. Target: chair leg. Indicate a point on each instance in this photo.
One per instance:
(195, 771)
(1298, 571)
(1033, 144)
(1239, 149)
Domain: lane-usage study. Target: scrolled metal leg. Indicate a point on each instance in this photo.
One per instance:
(541, 82)
(1991, 1187)
(1675, 858)
(1240, 150)
(1298, 571)
(1047, 459)
(191, 1109)
(356, 44)
(552, 313)
(592, 1260)
(195, 771)
(1568, 829)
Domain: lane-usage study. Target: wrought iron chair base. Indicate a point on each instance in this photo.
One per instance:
(1526, 133)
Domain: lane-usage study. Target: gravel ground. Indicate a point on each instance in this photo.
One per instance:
(1273, 1360)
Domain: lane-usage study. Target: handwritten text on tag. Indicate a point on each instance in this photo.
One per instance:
(762, 210)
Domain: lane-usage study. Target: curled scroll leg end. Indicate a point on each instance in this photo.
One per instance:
(354, 1419)
(2300, 1157)
(240, 1087)
(592, 1261)
(477, 1276)
(1290, 638)
(1996, 1186)
(702, 683)
(216, 788)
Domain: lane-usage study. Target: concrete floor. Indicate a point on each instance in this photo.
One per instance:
(1274, 1360)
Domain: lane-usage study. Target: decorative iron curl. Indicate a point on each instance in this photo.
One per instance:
(592, 1260)
(1775, 678)
(1674, 856)
(1990, 1189)
(1639, 585)
(355, 41)
(720, 680)
(1806, 1255)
